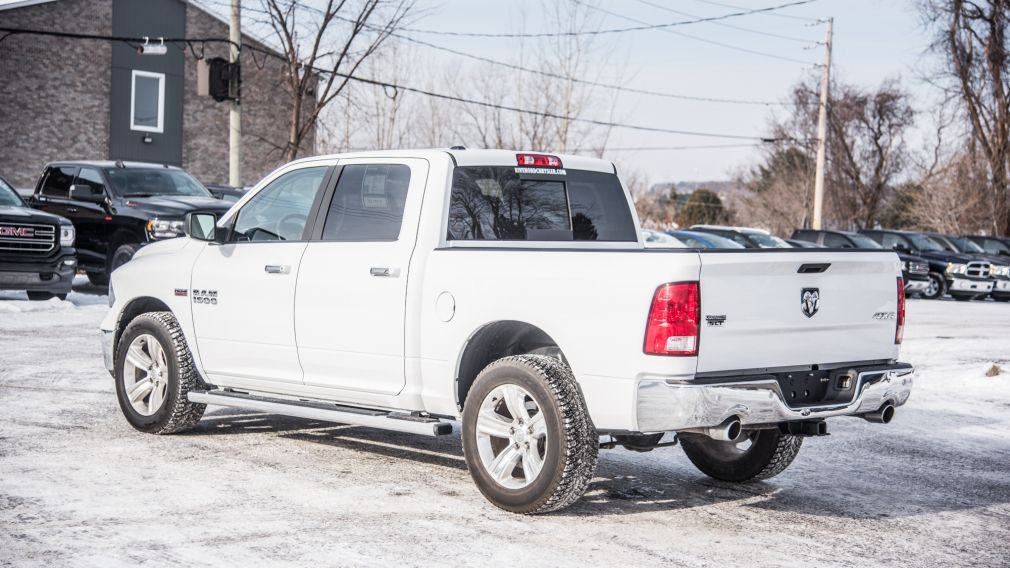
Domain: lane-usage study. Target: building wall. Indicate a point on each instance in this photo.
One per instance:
(265, 108)
(54, 93)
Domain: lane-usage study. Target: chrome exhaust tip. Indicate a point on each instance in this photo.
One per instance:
(882, 415)
(727, 431)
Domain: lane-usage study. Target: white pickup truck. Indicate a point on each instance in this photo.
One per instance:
(511, 294)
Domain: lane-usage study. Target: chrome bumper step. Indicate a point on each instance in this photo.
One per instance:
(411, 423)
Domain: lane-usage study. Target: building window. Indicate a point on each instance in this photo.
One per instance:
(147, 101)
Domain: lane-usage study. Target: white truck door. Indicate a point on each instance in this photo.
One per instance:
(243, 290)
(352, 285)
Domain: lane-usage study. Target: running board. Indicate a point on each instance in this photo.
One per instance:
(313, 410)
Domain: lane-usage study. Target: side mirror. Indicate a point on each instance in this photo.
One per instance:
(200, 226)
(87, 193)
(901, 248)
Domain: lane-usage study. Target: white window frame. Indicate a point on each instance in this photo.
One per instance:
(161, 101)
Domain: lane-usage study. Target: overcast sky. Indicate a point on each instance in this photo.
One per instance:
(873, 40)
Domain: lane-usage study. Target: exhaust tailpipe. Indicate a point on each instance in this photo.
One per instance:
(725, 432)
(882, 415)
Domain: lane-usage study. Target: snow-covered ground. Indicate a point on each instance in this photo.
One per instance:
(79, 487)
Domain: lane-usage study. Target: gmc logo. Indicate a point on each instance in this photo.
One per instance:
(25, 232)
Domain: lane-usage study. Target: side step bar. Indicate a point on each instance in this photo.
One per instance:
(382, 419)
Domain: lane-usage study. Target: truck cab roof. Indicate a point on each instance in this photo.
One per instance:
(466, 158)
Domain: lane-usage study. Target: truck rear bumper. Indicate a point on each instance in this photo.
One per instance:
(663, 406)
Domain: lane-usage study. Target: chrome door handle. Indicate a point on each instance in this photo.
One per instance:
(384, 271)
(276, 269)
(72, 210)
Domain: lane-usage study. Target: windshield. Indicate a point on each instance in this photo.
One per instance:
(707, 240)
(768, 241)
(864, 242)
(657, 239)
(964, 245)
(9, 197)
(134, 182)
(923, 242)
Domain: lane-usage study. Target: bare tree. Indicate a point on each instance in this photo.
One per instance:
(324, 47)
(972, 35)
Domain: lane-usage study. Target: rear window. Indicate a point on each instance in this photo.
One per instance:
(497, 203)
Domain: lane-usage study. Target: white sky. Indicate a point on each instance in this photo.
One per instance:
(874, 40)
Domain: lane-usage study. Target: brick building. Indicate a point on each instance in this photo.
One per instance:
(63, 98)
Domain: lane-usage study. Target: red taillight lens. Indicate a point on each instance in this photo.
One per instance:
(541, 160)
(899, 330)
(672, 328)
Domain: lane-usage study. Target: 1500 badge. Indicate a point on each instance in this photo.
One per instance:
(205, 297)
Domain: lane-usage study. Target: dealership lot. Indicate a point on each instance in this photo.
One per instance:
(79, 487)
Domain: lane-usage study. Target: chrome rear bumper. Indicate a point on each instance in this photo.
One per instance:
(663, 406)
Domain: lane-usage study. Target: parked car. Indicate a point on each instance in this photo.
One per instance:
(803, 244)
(507, 291)
(961, 276)
(118, 207)
(36, 249)
(746, 236)
(999, 269)
(655, 239)
(999, 246)
(914, 269)
(695, 239)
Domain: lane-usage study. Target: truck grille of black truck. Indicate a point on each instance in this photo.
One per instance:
(978, 269)
(27, 239)
(918, 268)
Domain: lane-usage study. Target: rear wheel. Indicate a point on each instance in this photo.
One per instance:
(154, 374)
(937, 287)
(755, 454)
(527, 438)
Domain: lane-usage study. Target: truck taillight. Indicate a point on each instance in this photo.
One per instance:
(672, 328)
(899, 330)
(540, 160)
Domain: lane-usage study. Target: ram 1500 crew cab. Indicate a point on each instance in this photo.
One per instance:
(510, 293)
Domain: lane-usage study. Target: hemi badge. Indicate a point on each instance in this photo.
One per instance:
(181, 292)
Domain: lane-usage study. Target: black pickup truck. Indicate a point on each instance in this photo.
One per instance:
(118, 207)
(36, 249)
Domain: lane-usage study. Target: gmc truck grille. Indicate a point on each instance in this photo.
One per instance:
(918, 268)
(27, 239)
(978, 269)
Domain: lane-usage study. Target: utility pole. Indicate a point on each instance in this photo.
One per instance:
(235, 112)
(822, 130)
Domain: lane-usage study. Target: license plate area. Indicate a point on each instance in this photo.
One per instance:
(816, 388)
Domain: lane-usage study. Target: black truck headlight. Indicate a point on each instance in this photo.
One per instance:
(164, 228)
(67, 235)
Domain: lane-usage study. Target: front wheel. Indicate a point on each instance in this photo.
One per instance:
(528, 440)
(43, 296)
(937, 287)
(154, 374)
(755, 454)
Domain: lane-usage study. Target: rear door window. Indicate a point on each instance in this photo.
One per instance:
(58, 181)
(497, 203)
(368, 203)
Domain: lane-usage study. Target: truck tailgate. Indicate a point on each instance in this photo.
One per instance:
(783, 308)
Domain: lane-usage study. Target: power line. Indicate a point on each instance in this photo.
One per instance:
(731, 26)
(776, 14)
(641, 27)
(701, 39)
(672, 148)
(396, 86)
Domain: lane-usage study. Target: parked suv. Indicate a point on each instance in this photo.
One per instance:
(961, 276)
(999, 266)
(36, 249)
(746, 236)
(914, 269)
(118, 207)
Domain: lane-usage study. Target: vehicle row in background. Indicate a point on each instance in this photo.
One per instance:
(914, 269)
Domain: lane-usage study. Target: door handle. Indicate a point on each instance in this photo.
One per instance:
(72, 210)
(276, 269)
(384, 271)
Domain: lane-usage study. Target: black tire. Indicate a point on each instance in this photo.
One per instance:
(572, 444)
(963, 298)
(122, 255)
(1001, 298)
(770, 452)
(177, 413)
(937, 287)
(36, 296)
(98, 278)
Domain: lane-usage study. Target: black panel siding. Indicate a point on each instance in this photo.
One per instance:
(152, 18)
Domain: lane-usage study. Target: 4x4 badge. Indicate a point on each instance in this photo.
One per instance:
(810, 301)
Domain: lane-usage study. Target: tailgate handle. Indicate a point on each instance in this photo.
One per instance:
(813, 268)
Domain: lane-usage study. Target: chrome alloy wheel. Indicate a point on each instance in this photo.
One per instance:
(145, 374)
(511, 436)
(934, 288)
